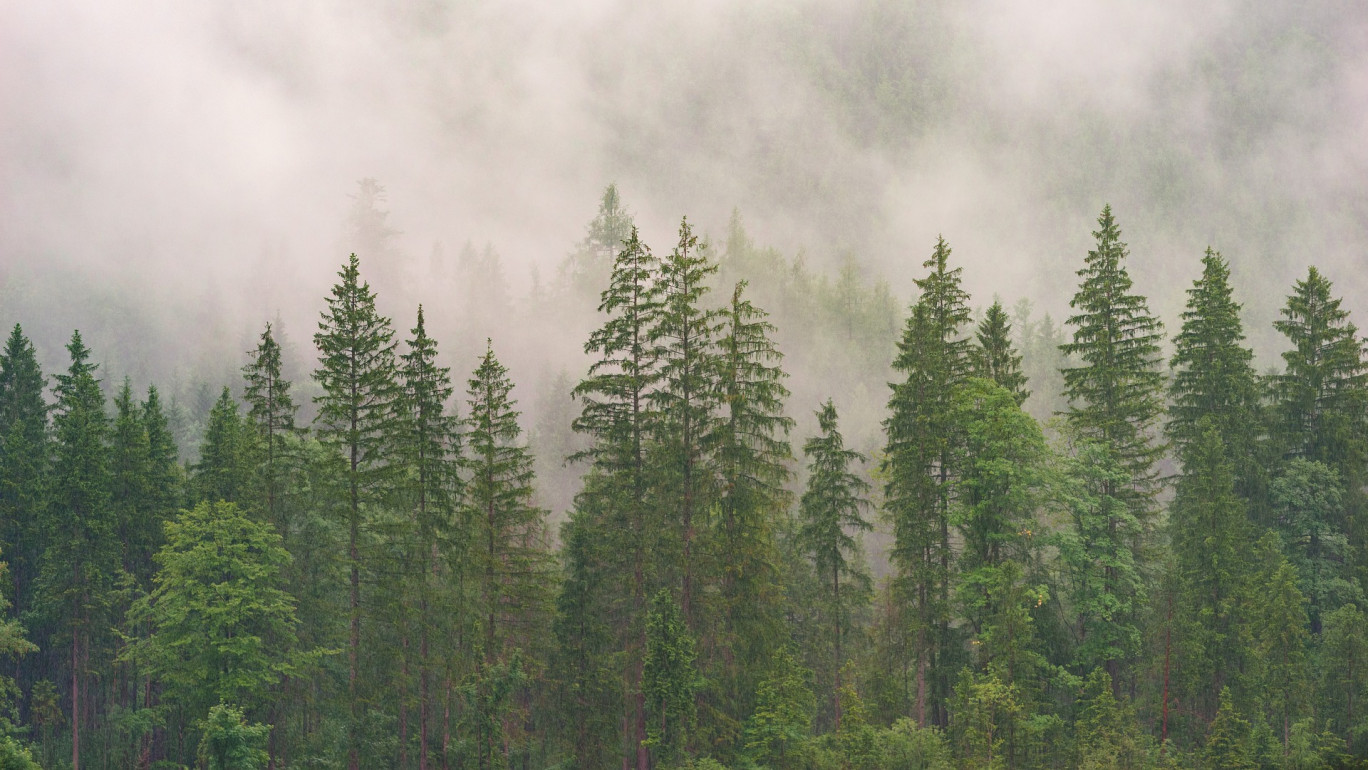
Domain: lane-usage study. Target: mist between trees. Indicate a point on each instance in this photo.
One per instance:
(763, 518)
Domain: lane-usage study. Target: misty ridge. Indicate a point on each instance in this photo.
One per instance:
(800, 384)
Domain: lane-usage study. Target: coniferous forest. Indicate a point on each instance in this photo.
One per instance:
(1104, 542)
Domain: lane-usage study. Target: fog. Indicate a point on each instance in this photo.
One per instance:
(174, 175)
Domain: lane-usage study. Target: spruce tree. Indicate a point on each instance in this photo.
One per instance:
(1214, 379)
(995, 358)
(132, 498)
(224, 470)
(509, 556)
(831, 510)
(1115, 400)
(82, 556)
(617, 417)
(271, 413)
(24, 464)
(1309, 513)
(934, 360)
(165, 477)
(1281, 640)
(751, 451)
(1344, 672)
(355, 416)
(670, 677)
(685, 401)
(428, 448)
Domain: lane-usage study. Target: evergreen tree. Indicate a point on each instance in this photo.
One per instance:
(1344, 672)
(1214, 379)
(1228, 739)
(685, 401)
(751, 451)
(783, 712)
(670, 677)
(130, 455)
(224, 470)
(589, 266)
(82, 556)
(13, 645)
(355, 416)
(995, 358)
(165, 483)
(934, 358)
(1308, 504)
(1116, 399)
(613, 505)
(428, 447)
(1210, 540)
(831, 511)
(1322, 396)
(271, 413)
(509, 557)
(24, 463)
(1281, 639)
(230, 743)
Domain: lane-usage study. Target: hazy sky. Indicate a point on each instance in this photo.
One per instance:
(168, 148)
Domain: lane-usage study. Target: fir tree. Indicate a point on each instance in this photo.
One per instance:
(165, 478)
(995, 358)
(356, 412)
(130, 456)
(1344, 672)
(1308, 505)
(1322, 396)
(1281, 638)
(1214, 379)
(934, 359)
(1115, 399)
(224, 470)
(428, 447)
(81, 558)
(751, 451)
(509, 558)
(685, 400)
(24, 463)
(271, 412)
(831, 510)
(1228, 744)
(613, 505)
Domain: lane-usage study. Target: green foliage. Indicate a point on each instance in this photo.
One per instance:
(670, 677)
(783, 712)
(995, 358)
(15, 756)
(1281, 639)
(228, 742)
(271, 413)
(1228, 743)
(13, 644)
(1105, 734)
(919, 463)
(987, 711)
(1307, 500)
(223, 627)
(25, 456)
(1344, 672)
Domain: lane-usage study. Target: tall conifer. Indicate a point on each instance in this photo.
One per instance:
(1115, 400)
(356, 413)
(24, 463)
(995, 358)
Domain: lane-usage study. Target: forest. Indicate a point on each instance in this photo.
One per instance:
(1107, 542)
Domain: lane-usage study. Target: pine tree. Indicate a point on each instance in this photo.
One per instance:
(509, 556)
(428, 448)
(613, 505)
(356, 413)
(1322, 396)
(24, 463)
(751, 451)
(995, 358)
(685, 401)
(1321, 399)
(1115, 399)
(130, 455)
(934, 358)
(1214, 379)
(271, 413)
(81, 558)
(831, 510)
(224, 470)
